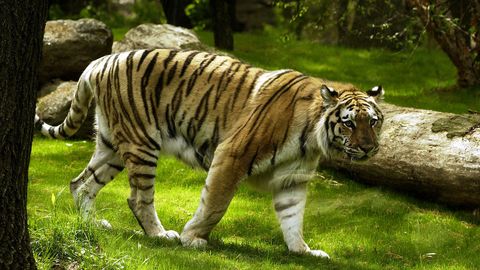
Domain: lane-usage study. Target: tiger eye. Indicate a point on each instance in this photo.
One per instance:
(349, 124)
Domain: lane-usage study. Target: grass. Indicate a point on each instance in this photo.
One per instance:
(361, 227)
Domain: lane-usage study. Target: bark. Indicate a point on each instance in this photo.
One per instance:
(175, 12)
(21, 29)
(450, 24)
(222, 23)
(431, 154)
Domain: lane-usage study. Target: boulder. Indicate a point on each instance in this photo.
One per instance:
(69, 46)
(53, 107)
(155, 36)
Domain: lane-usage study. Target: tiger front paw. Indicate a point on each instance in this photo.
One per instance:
(193, 241)
(169, 235)
(317, 253)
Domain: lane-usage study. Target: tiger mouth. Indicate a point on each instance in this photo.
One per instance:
(359, 156)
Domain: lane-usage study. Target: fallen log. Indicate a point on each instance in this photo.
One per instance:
(431, 154)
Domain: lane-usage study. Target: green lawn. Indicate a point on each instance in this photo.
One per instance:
(360, 227)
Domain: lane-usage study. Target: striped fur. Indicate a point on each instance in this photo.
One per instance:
(239, 122)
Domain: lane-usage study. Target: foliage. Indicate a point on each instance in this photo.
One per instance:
(411, 78)
(142, 11)
(369, 23)
(200, 14)
(455, 27)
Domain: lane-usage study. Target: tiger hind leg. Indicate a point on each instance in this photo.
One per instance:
(104, 165)
(141, 165)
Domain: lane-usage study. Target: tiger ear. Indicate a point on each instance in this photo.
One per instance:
(376, 92)
(329, 95)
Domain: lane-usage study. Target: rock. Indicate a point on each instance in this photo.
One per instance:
(53, 108)
(69, 46)
(155, 36)
(49, 87)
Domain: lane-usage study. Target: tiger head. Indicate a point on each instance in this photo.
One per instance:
(351, 122)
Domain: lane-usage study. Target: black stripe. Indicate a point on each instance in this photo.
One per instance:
(239, 87)
(106, 142)
(61, 130)
(144, 84)
(177, 99)
(170, 124)
(191, 131)
(116, 167)
(171, 73)
(154, 112)
(182, 118)
(206, 63)
(95, 177)
(202, 108)
(215, 137)
(145, 203)
(282, 206)
(69, 123)
(143, 176)
(143, 162)
(303, 139)
(148, 153)
(274, 156)
(104, 68)
(215, 69)
(142, 58)
(51, 131)
(76, 109)
(252, 162)
(170, 56)
(250, 88)
(200, 154)
(187, 62)
(288, 216)
(191, 82)
(39, 124)
(142, 188)
(159, 88)
(134, 158)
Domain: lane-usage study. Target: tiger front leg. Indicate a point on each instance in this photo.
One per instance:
(217, 194)
(289, 204)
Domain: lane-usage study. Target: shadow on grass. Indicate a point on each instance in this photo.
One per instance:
(219, 255)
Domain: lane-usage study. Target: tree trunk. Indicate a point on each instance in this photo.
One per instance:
(432, 154)
(175, 12)
(222, 23)
(21, 29)
(451, 24)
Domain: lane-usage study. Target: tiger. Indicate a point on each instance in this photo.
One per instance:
(240, 123)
